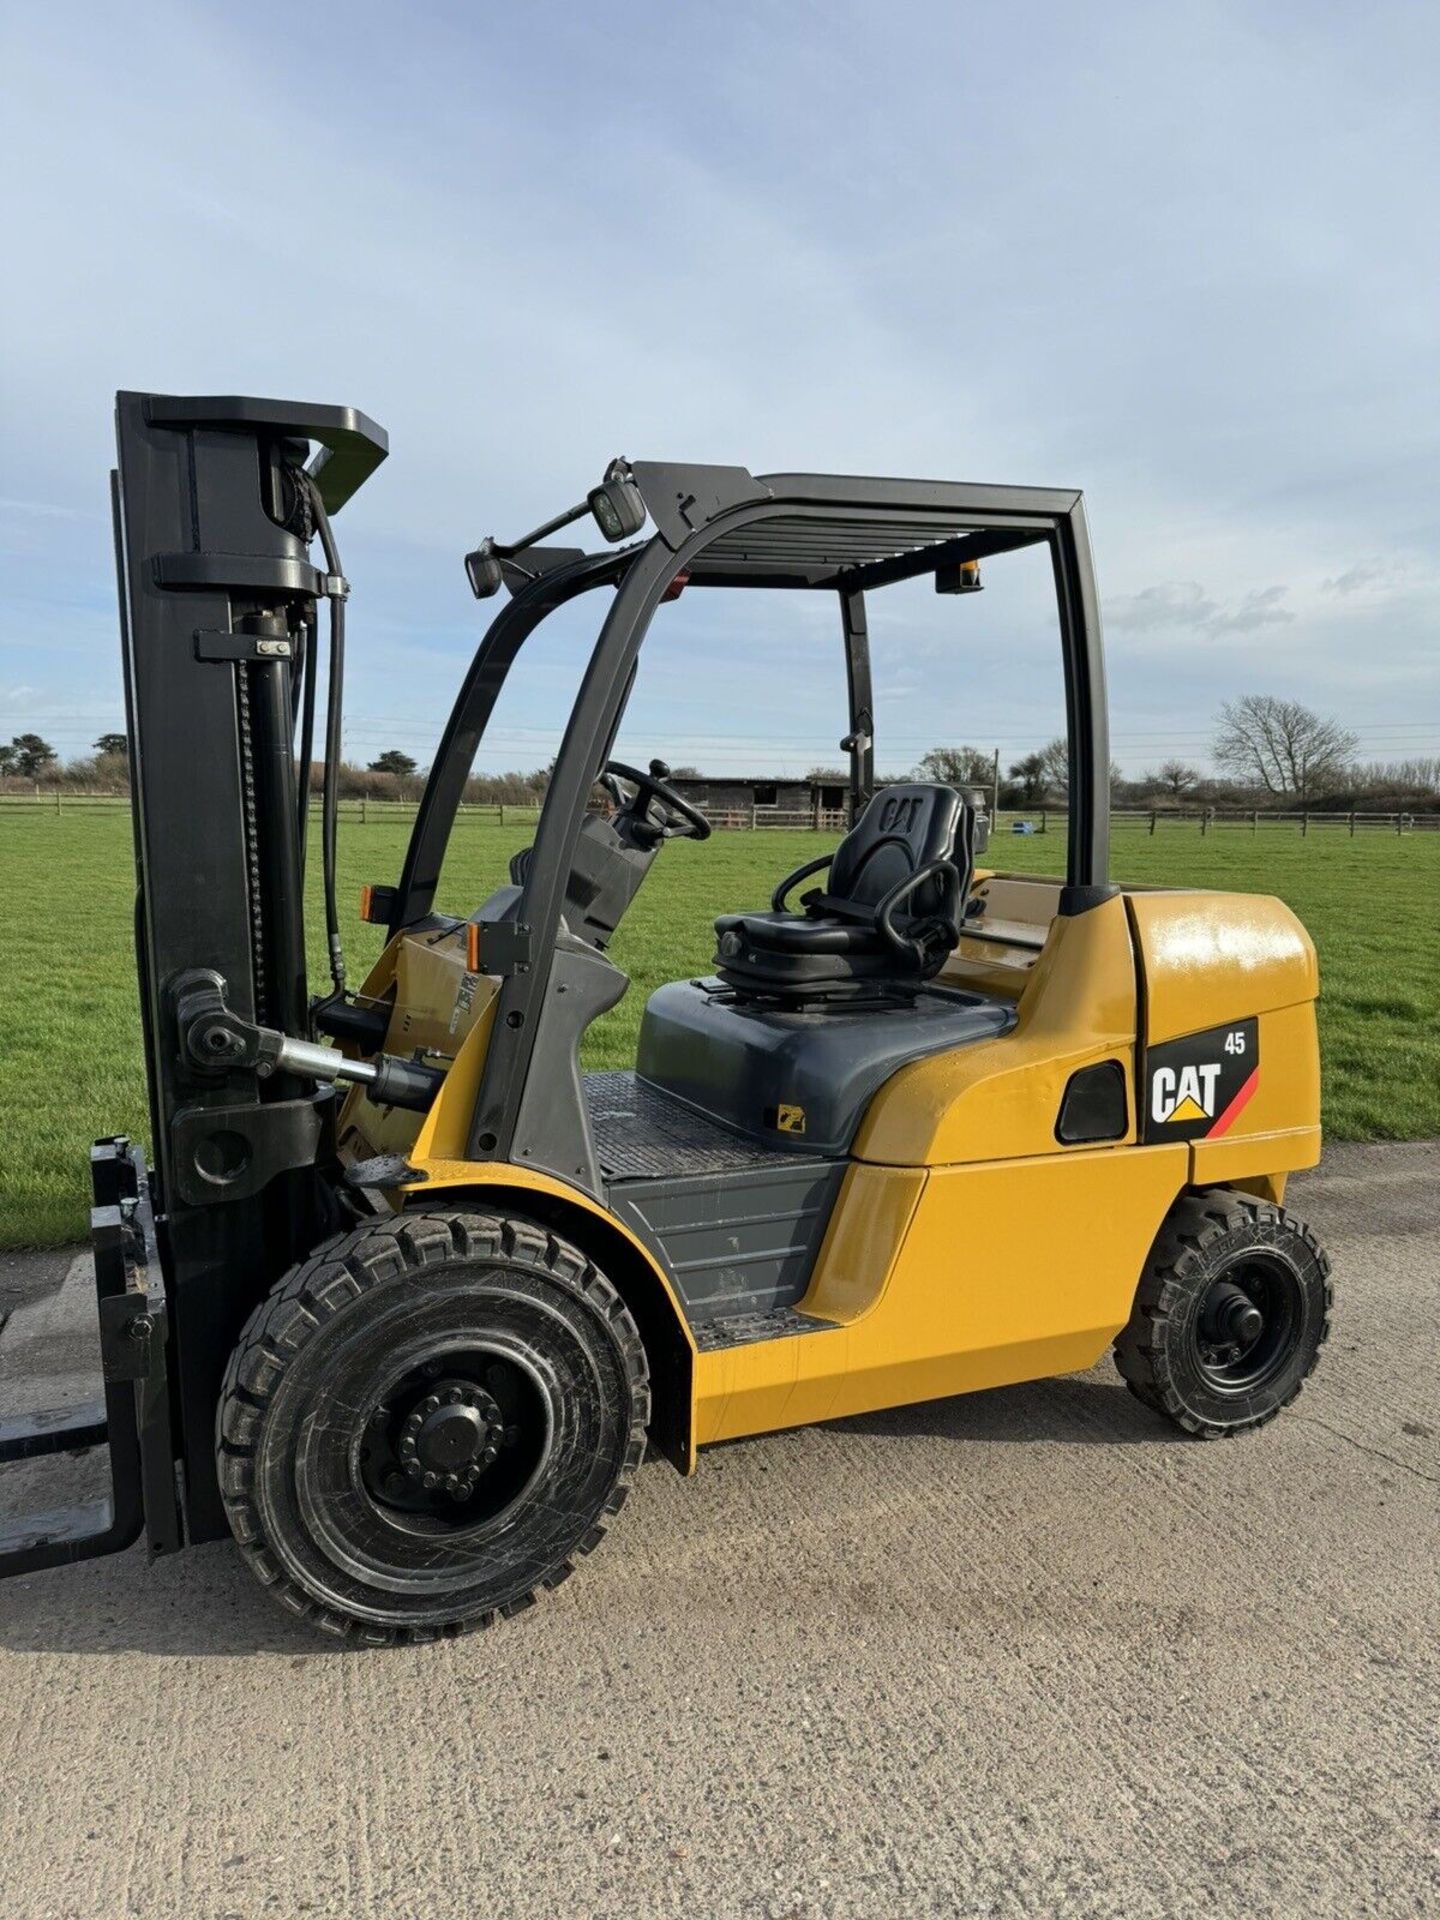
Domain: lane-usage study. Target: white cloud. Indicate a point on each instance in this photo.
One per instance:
(1185, 603)
(1365, 573)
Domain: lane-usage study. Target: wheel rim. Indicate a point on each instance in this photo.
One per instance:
(1248, 1323)
(399, 1537)
(450, 1443)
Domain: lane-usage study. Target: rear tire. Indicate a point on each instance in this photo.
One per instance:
(426, 1424)
(1229, 1317)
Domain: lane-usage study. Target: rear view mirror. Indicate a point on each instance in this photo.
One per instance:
(482, 568)
(616, 504)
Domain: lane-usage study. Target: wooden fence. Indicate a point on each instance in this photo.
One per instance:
(1202, 820)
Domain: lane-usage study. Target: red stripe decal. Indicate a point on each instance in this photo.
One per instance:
(1236, 1107)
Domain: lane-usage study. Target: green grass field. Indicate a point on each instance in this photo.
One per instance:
(70, 1064)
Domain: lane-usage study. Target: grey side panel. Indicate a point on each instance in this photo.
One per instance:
(552, 1129)
(737, 1223)
(742, 1242)
(738, 1062)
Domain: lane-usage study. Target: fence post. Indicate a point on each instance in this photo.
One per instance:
(1204, 821)
(1304, 825)
(1352, 826)
(1044, 821)
(57, 799)
(754, 816)
(1255, 820)
(1399, 824)
(362, 809)
(1152, 823)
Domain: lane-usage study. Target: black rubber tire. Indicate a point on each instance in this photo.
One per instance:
(323, 1340)
(1206, 1235)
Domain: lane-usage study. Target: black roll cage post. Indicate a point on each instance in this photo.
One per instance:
(568, 574)
(997, 520)
(859, 741)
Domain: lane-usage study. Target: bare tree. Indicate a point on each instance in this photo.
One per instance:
(1176, 778)
(1392, 776)
(1045, 775)
(1282, 746)
(958, 766)
(1055, 765)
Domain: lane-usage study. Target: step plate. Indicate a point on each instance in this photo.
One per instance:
(748, 1329)
(642, 1132)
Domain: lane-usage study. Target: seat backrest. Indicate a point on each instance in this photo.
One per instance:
(902, 829)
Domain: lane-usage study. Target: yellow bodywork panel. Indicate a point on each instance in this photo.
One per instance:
(1003, 1273)
(998, 1099)
(1212, 957)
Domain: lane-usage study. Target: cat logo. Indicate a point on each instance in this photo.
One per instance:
(1200, 1084)
(1184, 1094)
(786, 1119)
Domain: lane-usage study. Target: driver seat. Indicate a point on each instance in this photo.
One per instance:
(891, 910)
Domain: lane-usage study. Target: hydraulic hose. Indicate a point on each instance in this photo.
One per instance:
(306, 751)
(336, 588)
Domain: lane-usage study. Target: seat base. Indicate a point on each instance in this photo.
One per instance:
(785, 955)
(799, 1078)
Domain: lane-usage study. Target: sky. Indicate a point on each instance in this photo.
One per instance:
(1182, 258)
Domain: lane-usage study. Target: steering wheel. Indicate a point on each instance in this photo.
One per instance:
(682, 820)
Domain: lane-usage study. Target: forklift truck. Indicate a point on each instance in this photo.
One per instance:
(408, 1292)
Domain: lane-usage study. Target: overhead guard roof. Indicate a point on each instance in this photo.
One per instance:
(843, 531)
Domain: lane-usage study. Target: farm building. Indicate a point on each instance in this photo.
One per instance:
(765, 800)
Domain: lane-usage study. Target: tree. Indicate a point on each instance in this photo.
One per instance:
(1055, 764)
(1282, 746)
(1045, 774)
(1029, 776)
(396, 762)
(33, 756)
(958, 766)
(1176, 778)
(112, 744)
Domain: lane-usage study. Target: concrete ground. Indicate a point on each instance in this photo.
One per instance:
(1023, 1653)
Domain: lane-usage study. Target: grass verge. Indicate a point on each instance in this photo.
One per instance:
(70, 1061)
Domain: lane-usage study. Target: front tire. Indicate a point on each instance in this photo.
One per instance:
(1229, 1316)
(426, 1423)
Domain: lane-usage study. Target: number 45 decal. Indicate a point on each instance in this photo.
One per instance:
(1235, 1040)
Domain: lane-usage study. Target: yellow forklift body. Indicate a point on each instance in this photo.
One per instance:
(967, 1248)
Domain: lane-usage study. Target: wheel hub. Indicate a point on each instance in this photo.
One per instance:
(450, 1436)
(1232, 1318)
